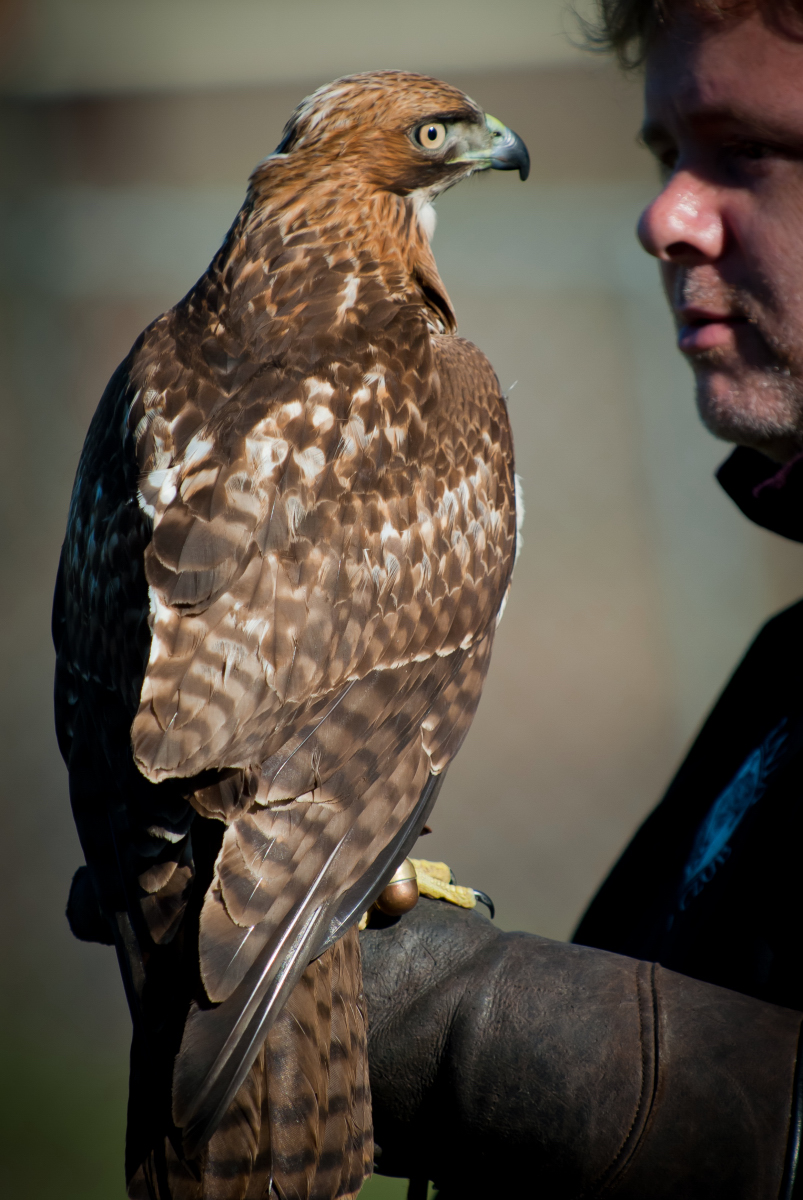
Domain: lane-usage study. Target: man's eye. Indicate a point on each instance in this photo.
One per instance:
(431, 136)
(745, 154)
(753, 151)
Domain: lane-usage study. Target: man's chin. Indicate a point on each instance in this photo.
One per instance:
(764, 413)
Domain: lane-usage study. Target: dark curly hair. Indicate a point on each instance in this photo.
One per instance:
(627, 27)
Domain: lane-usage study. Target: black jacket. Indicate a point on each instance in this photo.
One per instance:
(711, 885)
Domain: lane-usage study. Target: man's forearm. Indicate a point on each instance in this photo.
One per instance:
(497, 1058)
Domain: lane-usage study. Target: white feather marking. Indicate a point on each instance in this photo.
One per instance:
(502, 606)
(318, 387)
(349, 296)
(198, 480)
(311, 461)
(322, 417)
(147, 508)
(198, 449)
(460, 547)
(519, 515)
(448, 507)
(296, 512)
(424, 212)
(231, 653)
(160, 617)
(427, 220)
(266, 453)
(354, 434)
(142, 426)
(156, 478)
(255, 625)
(167, 835)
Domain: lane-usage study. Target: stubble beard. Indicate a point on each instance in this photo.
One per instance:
(760, 408)
(756, 403)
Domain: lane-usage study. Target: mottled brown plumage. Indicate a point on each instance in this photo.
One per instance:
(292, 530)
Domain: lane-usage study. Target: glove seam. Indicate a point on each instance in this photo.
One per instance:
(612, 1175)
(792, 1181)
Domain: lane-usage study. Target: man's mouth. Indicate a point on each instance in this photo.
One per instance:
(701, 329)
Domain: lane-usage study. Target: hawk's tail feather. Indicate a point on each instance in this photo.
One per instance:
(319, 1100)
(219, 1044)
(299, 1127)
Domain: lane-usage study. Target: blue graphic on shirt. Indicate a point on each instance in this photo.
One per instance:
(712, 844)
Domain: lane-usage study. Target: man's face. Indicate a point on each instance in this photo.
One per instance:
(724, 116)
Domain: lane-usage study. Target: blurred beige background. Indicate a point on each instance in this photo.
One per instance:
(128, 132)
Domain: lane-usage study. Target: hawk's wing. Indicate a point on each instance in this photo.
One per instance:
(305, 535)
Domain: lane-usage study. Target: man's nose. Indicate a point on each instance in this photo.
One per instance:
(684, 223)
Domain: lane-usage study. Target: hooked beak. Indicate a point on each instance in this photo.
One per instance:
(496, 147)
(508, 152)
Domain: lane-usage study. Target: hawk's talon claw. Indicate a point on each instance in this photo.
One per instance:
(485, 899)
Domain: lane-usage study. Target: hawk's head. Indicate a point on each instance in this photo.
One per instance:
(404, 132)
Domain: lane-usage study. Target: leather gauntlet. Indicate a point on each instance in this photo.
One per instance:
(508, 1063)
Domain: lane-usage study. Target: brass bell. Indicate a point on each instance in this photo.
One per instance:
(401, 894)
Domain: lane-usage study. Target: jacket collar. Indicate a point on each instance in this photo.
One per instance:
(769, 494)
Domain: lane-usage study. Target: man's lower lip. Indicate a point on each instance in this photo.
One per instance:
(711, 335)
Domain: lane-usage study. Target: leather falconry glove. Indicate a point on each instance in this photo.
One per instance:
(508, 1064)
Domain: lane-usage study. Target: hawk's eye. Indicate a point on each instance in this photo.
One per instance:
(431, 136)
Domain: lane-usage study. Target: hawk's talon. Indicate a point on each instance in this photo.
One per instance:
(485, 899)
(436, 880)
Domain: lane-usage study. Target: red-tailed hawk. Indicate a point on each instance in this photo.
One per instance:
(291, 533)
